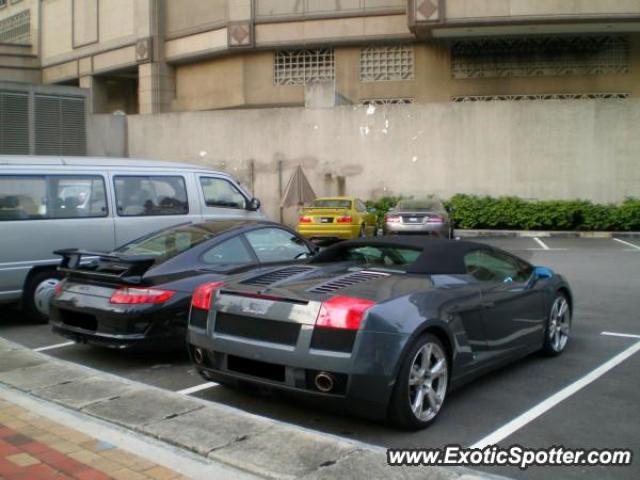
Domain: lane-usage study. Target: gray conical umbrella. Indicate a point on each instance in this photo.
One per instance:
(298, 190)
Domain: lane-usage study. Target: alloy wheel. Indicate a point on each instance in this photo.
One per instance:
(559, 324)
(428, 381)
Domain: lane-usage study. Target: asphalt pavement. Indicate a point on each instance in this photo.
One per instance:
(557, 401)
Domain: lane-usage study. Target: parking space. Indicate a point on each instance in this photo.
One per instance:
(601, 413)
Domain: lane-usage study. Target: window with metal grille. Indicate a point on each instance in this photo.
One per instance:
(14, 123)
(540, 56)
(60, 126)
(539, 96)
(389, 62)
(16, 29)
(299, 67)
(388, 101)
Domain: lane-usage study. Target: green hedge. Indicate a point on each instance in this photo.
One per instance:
(513, 213)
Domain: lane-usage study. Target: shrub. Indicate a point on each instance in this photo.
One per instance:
(513, 213)
(473, 211)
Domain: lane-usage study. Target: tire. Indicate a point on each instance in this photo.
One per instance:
(404, 403)
(558, 329)
(34, 299)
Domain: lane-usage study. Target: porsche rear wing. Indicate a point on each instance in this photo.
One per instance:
(109, 268)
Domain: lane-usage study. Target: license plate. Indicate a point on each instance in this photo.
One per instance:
(413, 219)
(326, 220)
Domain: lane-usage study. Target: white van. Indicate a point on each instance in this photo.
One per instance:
(50, 203)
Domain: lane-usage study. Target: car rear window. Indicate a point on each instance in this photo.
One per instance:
(329, 203)
(168, 243)
(381, 255)
(420, 205)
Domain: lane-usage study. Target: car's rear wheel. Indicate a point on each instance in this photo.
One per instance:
(421, 386)
(558, 326)
(38, 293)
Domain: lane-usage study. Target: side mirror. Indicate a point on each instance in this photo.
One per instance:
(253, 204)
(542, 272)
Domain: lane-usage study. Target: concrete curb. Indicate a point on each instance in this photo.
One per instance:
(257, 445)
(535, 233)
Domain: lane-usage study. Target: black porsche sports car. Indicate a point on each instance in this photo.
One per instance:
(139, 295)
(385, 326)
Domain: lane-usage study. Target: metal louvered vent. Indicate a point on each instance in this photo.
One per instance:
(346, 281)
(60, 125)
(275, 276)
(14, 123)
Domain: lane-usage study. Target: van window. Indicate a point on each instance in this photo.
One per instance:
(32, 197)
(221, 193)
(146, 195)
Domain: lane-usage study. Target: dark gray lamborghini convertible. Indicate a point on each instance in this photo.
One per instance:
(385, 326)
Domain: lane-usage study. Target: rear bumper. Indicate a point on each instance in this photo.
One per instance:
(141, 327)
(343, 232)
(364, 378)
(424, 228)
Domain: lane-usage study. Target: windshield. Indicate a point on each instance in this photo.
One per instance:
(331, 203)
(168, 243)
(431, 205)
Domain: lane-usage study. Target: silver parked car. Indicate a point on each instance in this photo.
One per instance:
(422, 216)
(97, 204)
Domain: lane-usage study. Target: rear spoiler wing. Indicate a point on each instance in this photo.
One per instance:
(133, 267)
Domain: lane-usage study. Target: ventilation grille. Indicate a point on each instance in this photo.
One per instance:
(60, 125)
(14, 123)
(275, 276)
(346, 281)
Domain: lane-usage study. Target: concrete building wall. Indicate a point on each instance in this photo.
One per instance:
(553, 149)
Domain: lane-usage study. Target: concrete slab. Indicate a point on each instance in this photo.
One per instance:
(14, 359)
(206, 429)
(41, 375)
(283, 452)
(142, 407)
(85, 391)
(373, 466)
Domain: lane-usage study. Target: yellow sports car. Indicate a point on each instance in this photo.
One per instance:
(336, 218)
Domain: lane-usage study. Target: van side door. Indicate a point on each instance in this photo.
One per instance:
(222, 198)
(146, 203)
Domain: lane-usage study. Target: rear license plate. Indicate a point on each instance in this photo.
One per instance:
(326, 220)
(413, 219)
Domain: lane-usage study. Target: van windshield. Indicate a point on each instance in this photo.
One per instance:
(168, 243)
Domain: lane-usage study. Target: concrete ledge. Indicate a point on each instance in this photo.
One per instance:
(261, 446)
(543, 233)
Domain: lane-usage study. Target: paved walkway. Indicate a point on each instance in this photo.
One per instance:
(33, 448)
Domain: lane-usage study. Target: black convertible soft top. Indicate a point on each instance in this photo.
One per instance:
(437, 257)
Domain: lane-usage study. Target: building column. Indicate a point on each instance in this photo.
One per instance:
(156, 78)
(98, 101)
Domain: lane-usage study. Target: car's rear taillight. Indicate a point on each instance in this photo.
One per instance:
(344, 313)
(132, 295)
(344, 219)
(435, 219)
(57, 290)
(203, 294)
(392, 218)
(304, 219)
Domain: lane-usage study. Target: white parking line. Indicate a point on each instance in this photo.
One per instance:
(541, 243)
(197, 388)
(52, 347)
(629, 244)
(533, 413)
(614, 334)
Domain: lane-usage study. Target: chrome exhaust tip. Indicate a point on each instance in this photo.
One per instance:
(198, 356)
(324, 382)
